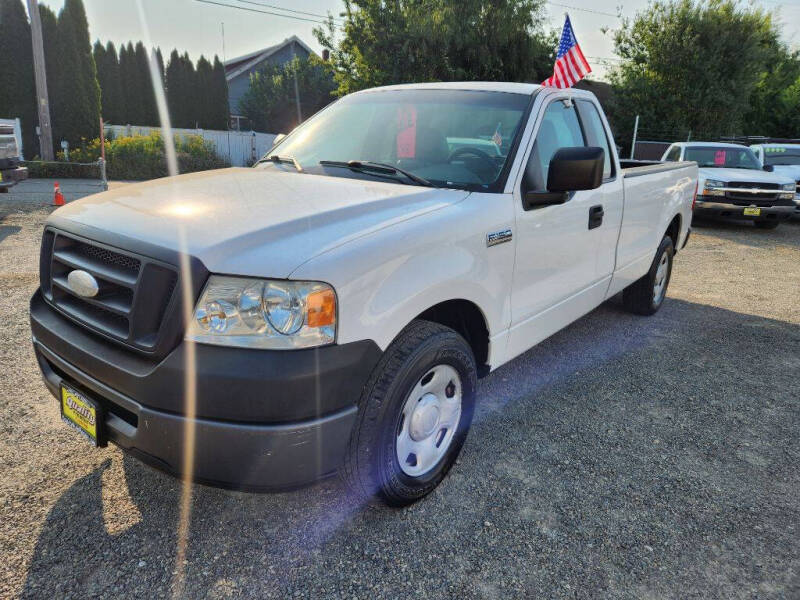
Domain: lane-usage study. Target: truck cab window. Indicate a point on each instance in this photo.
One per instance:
(596, 133)
(674, 154)
(560, 128)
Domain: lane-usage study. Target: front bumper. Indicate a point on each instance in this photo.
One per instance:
(12, 176)
(724, 210)
(265, 420)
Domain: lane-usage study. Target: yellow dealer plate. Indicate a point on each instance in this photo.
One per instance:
(81, 413)
(752, 212)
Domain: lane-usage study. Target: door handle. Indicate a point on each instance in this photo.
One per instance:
(596, 214)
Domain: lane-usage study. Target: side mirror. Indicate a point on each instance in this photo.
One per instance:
(575, 169)
(571, 170)
(768, 168)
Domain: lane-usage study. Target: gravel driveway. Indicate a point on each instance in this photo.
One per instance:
(625, 457)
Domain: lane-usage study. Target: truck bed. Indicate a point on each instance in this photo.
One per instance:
(637, 168)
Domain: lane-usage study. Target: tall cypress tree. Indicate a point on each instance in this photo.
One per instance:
(203, 81)
(17, 87)
(190, 93)
(81, 93)
(113, 98)
(149, 113)
(220, 111)
(131, 85)
(174, 77)
(160, 64)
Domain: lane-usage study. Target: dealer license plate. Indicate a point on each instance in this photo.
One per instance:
(81, 413)
(752, 212)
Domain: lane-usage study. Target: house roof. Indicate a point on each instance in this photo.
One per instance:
(241, 64)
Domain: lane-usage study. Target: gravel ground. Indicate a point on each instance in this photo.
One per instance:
(625, 457)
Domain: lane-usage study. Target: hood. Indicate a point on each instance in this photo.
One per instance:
(258, 222)
(791, 171)
(730, 175)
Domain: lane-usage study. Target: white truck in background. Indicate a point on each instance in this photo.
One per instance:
(784, 160)
(345, 294)
(10, 170)
(734, 184)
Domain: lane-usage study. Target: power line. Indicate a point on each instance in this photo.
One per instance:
(588, 10)
(263, 12)
(289, 10)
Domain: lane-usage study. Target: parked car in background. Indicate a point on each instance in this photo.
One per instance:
(10, 170)
(733, 184)
(785, 160)
(345, 294)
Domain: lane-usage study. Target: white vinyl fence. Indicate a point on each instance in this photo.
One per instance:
(240, 148)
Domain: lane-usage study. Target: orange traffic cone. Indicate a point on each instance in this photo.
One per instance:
(58, 197)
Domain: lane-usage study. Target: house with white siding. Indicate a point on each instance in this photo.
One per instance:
(238, 70)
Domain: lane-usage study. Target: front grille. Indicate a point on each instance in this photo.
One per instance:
(134, 291)
(745, 196)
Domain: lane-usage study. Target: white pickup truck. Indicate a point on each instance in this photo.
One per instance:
(331, 308)
(734, 184)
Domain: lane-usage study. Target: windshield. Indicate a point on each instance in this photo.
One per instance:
(451, 138)
(730, 158)
(782, 155)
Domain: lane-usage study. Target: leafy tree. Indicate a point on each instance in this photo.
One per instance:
(438, 40)
(775, 100)
(270, 100)
(690, 65)
(17, 86)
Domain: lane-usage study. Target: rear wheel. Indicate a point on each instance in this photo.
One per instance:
(413, 416)
(766, 224)
(645, 296)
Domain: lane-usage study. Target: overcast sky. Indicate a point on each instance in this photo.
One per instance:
(196, 27)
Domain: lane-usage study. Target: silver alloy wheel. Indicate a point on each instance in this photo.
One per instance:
(660, 287)
(429, 420)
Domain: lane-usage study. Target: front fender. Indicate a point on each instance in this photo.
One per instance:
(386, 279)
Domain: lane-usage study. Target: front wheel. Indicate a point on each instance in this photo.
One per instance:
(413, 416)
(645, 296)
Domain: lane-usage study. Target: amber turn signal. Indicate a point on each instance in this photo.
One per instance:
(321, 307)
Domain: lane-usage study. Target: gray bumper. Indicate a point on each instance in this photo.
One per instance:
(724, 210)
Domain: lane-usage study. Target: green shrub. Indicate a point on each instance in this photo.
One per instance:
(136, 157)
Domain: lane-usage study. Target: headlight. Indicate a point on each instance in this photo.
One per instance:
(264, 313)
(789, 190)
(712, 188)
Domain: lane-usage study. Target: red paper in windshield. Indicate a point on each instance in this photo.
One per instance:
(719, 158)
(406, 132)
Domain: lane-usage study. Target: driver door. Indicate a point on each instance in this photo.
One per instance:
(556, 277)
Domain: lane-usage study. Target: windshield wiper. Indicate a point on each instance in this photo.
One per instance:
(376, 167)
(288, 160)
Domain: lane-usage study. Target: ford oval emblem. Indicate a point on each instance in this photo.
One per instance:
(83, 283)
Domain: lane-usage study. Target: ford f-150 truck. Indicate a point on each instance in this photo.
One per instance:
(785, 160)
(331, 308)
(734, 184)
(10, 170)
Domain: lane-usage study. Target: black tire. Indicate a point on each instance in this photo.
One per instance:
(640, 297)
(371, 468)
(766, 224)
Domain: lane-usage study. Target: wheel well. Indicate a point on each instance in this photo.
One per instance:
(467, 319)
(674, 231)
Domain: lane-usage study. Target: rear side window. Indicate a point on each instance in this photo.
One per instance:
(560, 128)
(674, 155)
(595, 132)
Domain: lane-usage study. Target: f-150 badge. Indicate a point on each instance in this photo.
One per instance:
(498, 237)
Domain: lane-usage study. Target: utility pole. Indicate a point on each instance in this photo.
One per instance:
(635, 135)
(45, 130)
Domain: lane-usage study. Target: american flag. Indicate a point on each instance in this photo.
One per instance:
(571, 65)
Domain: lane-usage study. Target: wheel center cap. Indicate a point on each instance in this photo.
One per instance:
(425, 418)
